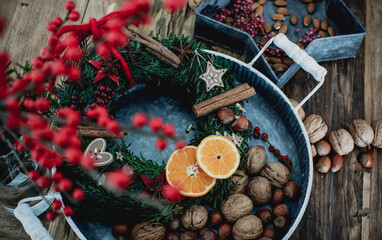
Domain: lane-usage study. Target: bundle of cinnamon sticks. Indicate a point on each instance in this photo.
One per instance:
(96, 132)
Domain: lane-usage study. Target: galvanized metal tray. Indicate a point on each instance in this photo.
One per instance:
(349, 33)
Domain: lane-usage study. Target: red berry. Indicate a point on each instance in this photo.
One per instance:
(57, 21)
(257, 129)
(180, 144)
(276, 152)
(33, 175)
(56, 204)
(139, 119)
(74, 73)
(50, 216)
(156, 124)
(103, 51)
(271, 148)
(171, 193)
(113, 126)
(37, 62)
(74, 16)
(286, 157)
(289, 162)
(74, 53)
(256, 134)
(78, 194)
(69, 5)
(120, 179)
(161, 144)
(68, 211)
(264, 135)
(43, 182)
(57, 176)
(65, 184)
(169, 130)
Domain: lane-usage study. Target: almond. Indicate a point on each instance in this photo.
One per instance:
(331, 31)
(288, 61)
(264, 40)
(311, 8)
(307, 1)
(280, 3)
(255, 5)
(275, 60)
(324, 25)
(316, 23)
(294, 19)
(280, 210)
(307, 20)
(267, 27)
(283, 11)
(229, 20)
(273, 34)
(262, 2)
(280, 67)
(284, 29)
(278, 17)
(259, 10)
(322, 34)
(277, 25)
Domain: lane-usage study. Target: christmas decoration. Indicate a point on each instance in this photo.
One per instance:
(153, 186)
(108, 68)
(213, 77)
(96, 151)
(184, 51)
(234, 138)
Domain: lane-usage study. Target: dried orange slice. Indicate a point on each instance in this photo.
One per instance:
(182, 171)
(218, 156)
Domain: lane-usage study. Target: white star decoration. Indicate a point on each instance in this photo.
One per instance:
(234, 138)
(119, 156)
(213, 77)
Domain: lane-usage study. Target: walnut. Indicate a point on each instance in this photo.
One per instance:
(277, 173)
(315, 127)
(254, 159)
(361, 132)
(301, 111)
(247, 227)
(194, 4)
(236, 206)
(260, 190)
(377, 127)
(342, 142)
(238, 183)
(148, 231)
(195, 218)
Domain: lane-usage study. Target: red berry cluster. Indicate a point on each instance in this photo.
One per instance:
(103, 96)
(282, 158)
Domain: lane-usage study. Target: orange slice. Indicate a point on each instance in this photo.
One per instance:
(182, 171)
(218, 156)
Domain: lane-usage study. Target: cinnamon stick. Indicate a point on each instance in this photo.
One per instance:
(222, 100)
(90, 131)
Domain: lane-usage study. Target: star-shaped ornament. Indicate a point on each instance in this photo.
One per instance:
(119, 156)
(213, 77)
(106, 68)
(153, 186)
(234, 138)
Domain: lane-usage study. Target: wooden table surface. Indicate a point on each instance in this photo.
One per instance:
(352, 90)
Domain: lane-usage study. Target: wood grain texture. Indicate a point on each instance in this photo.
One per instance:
(351, 90)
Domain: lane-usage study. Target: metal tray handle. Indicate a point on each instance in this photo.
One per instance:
(300, 57)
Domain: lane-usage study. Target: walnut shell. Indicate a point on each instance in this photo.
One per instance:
(238, 183)
(342, 142)
(195, 218)
(236, 206)
(277, 173)
(361, 132)
(377, 127)
(255, 158)
(301, 111)
(315, 127)
(148, 231)
(247, 227)
(260, 190)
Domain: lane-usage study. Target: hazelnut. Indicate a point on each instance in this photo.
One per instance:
(188, 235)
(209, 235)
(238, 183)
(240, 123)
(342, 142)
(314, 151)
(174, 224)
(361, 132)
(120, 229)
(269, 233)
(215, 219)
(277, 196)
(247, 227)
(291, 190)
(265, 215)
(254, 159)
(280, 210)
(367, 160)
(147, 231)
(377, 128)
(323, 148)
(225, 116)
(277, 173)
(337, 162)
(236, 206)
(195, 218)
(259, 190)
(172, 236)
(224, 231)
(315, 127)
(300, 111)
(323, 165)
(279, 222)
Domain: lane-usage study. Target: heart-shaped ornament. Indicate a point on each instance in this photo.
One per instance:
(96, 151)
